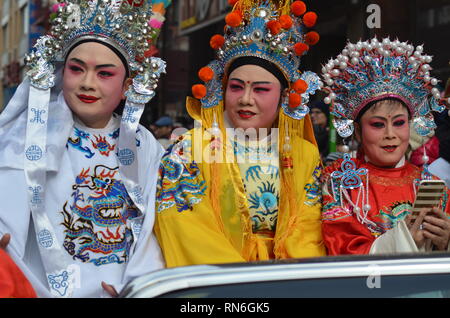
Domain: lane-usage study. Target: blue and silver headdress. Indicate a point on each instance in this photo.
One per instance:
(274, 31)
(123, 24)
(369, 71)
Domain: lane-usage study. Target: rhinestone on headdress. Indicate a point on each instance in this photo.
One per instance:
(271, 30)
(373, 70)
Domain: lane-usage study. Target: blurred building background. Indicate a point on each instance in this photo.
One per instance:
(22, 22)
(184, 42)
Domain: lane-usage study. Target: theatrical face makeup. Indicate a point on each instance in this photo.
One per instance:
(384, 133)
(93, 83)
(252, 97)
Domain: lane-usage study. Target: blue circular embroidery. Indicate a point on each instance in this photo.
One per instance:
(45, 238)
(34, 153)
(126, 156)
(137, 226)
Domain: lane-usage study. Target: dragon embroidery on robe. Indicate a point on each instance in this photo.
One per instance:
(97, 219)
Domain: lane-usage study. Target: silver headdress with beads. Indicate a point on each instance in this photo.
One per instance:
(123, 24)
(374, 70)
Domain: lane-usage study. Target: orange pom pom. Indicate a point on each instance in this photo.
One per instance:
(300, 86)
(286, 21)
(206, 74)
(232, 2)
(310, 19)
(239, 13)
(199, 91)
(311, 38)
(274, 27)
(298, 8)
(294, 100)
(300, 48)
(217, 41)
(233, 19)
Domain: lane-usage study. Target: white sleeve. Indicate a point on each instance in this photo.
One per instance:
(396, 240)
(146, 255)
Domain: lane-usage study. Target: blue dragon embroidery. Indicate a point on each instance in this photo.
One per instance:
(97, 224)
(78, 140)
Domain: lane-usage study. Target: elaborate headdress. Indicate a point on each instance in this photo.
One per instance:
(124, 25)
(372, 70)
(274, 31)
(128, 27)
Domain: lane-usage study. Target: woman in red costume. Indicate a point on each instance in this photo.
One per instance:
(376, 91)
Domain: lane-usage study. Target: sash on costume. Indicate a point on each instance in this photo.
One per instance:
(59, 272)
(139, 93)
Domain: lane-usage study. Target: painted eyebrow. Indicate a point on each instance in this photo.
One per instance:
(254, 83)
(74, 59)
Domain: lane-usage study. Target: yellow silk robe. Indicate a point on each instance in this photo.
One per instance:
(195, 226)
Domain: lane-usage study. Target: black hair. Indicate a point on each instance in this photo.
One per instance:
(112, 48)
(268, 66)
(390, 100)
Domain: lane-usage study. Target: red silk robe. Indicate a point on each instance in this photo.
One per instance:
(13, 283)
(391, 196)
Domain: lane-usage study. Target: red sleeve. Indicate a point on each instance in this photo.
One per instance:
(342, 232)
(346, 236)
(13, 283)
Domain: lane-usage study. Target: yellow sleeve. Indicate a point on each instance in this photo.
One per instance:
(186, 227)
(305, 240)
(193, 237)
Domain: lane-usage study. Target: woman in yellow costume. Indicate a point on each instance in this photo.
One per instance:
(243, 185)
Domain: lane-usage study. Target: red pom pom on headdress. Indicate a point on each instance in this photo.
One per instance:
(311, 38)
(286, 21)
(274, 27)
(233, 19)
(199, 91)
(300, 48)
(298, 8)
(310, 19)
(217, 41)
(300, 86)
(294, 100)
(206, 74)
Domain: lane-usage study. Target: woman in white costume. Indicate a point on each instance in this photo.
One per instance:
(78, 181)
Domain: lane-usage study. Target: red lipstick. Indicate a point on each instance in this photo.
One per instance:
(245, 114)
(87, 99)
(389, 148)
